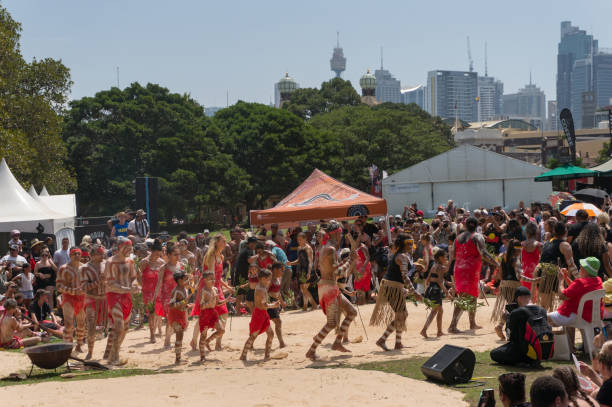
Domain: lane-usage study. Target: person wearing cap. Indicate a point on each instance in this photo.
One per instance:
(586, 282)
(206, 234)
(516, 350)
(13, 261)
(138, 228)
(15, 239)
(35, 249)
(70, 285)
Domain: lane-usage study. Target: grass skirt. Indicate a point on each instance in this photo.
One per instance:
(391, 300)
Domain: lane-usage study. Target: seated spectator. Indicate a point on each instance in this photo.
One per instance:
(577, 397)
(604, 396)
(524, 318)
(10, 327)
(588, 281)
(547, 391)
(512, 390)
(42, 316)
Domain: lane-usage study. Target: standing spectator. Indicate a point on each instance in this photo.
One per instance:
(206, 236)
(451, 210)
(121, 228)
(582, 219)
(13, 261)
(26, 279)
(61, 256)
(512, 390)
(547, 391)
(35, 250)
(590, 243)
(15, 239)
(138, 228)
(46, 273)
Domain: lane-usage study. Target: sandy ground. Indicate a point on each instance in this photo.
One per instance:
(242, 382)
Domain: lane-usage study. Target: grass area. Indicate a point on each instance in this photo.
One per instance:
(485, 372)
(44, 375)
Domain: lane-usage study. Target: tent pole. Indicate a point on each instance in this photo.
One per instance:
(388, 229)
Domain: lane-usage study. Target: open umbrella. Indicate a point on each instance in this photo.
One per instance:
(591, 195)
(566, 171)
(571, 210)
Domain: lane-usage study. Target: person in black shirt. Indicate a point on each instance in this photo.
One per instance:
(582, 219)
(241, 270)
(604, 396)
(42, 316)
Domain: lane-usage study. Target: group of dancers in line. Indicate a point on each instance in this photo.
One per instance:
(168, 287)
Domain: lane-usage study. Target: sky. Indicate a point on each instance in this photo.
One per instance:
(212, 49)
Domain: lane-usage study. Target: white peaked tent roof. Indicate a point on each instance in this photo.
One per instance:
(44, 192)
(32, 192)
(64, 204)
(19, 210)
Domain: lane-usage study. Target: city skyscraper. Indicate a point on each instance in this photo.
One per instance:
(490, 93)
(575, 45)
(552, 121)
(451, 93)
(338, 61)
(388, 89)
(581, 82)
(602, 78)
(414, 95)
(528, 103)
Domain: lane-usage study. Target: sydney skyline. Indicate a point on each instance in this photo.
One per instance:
(211, 49)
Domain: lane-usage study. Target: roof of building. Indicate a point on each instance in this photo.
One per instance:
(406, 90)
(504, 124)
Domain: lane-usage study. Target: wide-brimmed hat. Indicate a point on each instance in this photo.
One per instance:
(140, 212)
(35, 242)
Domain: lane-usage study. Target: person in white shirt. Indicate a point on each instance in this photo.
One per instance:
(26, 283)
(61, 256)
(138, 228)
(13, 261)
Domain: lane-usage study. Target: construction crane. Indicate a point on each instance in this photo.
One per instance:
(469, 50)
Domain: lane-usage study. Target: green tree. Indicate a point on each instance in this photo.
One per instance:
(391, 136)
(32, 98)
(119, 135)
(274, 147)
(335, 93)
(604, 153)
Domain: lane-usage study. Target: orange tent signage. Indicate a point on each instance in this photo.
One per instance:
(320, 197)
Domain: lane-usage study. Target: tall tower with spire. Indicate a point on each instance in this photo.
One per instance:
(338, 61)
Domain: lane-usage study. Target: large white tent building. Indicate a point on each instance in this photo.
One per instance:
(472, 177)
(21, 210)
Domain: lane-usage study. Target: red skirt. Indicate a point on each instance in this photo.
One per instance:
(124, 300)
(77, 301)
(260, 321)
(178, 316)
(208, 318)
(98, 306)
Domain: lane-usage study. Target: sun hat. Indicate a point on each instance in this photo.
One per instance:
(591, 265)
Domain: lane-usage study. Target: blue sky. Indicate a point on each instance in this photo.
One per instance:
(206, 48)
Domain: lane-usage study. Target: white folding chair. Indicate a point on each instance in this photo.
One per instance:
(587, 328)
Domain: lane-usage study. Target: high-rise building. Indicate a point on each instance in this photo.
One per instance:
(338, 61)
(575, 45)
(581, 82)
(490, 92)
(414, 95)
(451, 93)
(552, 118)
(388, 89)
(602, 78)
(528, 103)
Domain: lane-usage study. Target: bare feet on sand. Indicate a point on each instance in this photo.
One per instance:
(499, 331)
(424, 334)
(311, 355)
(339, 347)
(439, 334)
(475, 327)
(382, 345)
(399, 346)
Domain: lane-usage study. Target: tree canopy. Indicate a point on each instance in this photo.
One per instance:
(32, 100)
(309, 102)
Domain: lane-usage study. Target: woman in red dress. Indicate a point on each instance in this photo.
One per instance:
(165, 285)
(213, 260)
(530, 256)
(149, 268)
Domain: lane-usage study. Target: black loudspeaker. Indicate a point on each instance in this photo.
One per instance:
(146, 198)
(450, 365)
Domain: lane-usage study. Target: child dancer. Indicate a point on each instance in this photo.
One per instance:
(177, 316)
(510, 279)
(436, 291)
(275, 294)
(260, 320)
(209, 316)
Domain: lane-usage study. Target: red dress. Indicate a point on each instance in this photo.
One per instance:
(163, 299)
(467, 267)
(260, 321)
(529, 261)
(221, 309)
(363, 284)
(149, 282)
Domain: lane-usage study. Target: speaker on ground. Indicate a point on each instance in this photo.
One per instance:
(451, 364)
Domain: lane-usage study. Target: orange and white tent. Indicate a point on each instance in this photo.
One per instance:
(320, 197)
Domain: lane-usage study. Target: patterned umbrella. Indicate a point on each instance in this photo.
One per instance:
(591, 209)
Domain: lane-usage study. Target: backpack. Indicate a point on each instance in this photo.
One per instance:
(538, 334)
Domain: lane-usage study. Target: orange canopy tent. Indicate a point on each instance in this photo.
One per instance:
(320, 197)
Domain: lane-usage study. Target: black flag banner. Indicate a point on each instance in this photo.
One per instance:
(567, 122)
(610, 129)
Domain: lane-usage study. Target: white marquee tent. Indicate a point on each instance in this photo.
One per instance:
(20, 210)
(64, 204)
(472, 177)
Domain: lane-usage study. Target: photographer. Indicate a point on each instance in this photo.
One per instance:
(525, 321)
(13, 261)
